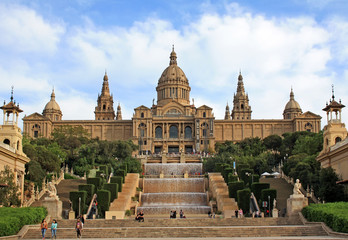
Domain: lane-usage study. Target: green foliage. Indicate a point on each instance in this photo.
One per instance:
(13, 219)
(310, 144)
(257, 188)
(118, 180)
(121, 173)
(113, 188)
(245, 175)
(232, 178)
(233, 188)
(97, 182)
(103, 201)
(243, 197)
(335, 215)
(69, 176)
(268, 192)
(74, 198)
(273, 142)
(104, 169)
(329, 191)
(8, 195)
(225, 172)
(90, 189)
(128, 213)
(251, 146)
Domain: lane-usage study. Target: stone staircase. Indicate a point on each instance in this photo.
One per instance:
(65, 187)
(189, 228)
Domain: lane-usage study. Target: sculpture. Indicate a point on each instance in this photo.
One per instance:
(51, 189)
(297, 187)
(274, 203)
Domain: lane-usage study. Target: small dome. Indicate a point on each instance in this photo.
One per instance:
(52, 105)
(292, 104)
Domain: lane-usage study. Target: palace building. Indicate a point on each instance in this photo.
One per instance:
(174, 123)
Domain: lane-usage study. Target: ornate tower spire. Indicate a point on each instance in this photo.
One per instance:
(241, 109)
(105, 108)
(52, 109)
(119, 113)
(292, 108)
(227, 112)
(173, 57)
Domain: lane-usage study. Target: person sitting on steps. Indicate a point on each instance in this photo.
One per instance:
(140, 216)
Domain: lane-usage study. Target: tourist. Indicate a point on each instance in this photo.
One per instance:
(236, 213)
(43, 228)
(240, 213)
(171, 214)
(78, 228)
(174, 214)
(181, 214)
(82, 219)
(54, 229)
(140, 216)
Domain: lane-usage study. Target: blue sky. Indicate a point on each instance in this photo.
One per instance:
(68, 44)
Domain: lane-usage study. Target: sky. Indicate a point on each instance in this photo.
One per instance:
(69, 44)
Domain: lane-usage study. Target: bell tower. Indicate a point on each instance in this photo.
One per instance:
(105, 108)
(10, 133)
(335, 131)
(241, 109)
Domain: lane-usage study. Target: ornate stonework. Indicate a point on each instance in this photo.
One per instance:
(174, 123)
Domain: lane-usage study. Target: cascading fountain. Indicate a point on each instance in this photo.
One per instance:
(174, 192)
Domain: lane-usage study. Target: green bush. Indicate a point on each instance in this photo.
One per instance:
(68, 176)
(113, 188)
(97, 182)
(101, 174)
(119, 181)
(13, 219)
(121, 173)
(232, 178)
(225, 173)
(255, 178)
(124, 167)
(103, 201)
(243, 197)
(105, 170)
(240, 167)
(74, 198)
(233, 187)
(256, 188)
(243, 175)
(90, 189)
(269, 192)
(334, 215)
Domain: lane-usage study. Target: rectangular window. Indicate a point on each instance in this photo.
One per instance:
(36, 134)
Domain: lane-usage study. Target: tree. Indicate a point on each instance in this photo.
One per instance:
(9, 194)
(329, 190)
(34, 172)
(273, 142)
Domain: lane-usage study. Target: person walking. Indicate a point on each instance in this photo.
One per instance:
(78, 228)
(54, 229)
(43, 228)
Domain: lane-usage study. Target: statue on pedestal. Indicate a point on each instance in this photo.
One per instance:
(51, 189)
(297, 187)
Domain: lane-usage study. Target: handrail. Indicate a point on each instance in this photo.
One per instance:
(111, 175)
(255, 202)
(91, 204)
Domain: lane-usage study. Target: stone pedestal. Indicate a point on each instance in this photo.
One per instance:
(54, 207)
(295, 204)
(164, 157)
(186, 175)
(275, 213)
(71, 215)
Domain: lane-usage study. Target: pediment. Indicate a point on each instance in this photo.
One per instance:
(35, 116)
(204, 107)
(142, 107)
(308, 114)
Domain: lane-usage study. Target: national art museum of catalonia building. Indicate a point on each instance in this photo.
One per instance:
(174, 123)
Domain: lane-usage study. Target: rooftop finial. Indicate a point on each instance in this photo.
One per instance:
(11, 93)
(173, 48)
(333, 92)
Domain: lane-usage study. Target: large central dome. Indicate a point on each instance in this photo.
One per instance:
(173, 84)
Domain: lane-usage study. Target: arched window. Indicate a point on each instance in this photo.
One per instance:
(158, 132)
(338, 139)
(242, 106)
(7, 141)
(188, 132)
(142, 115)
(204, 114)
(173, 131)
(104, 107)
(17, 145)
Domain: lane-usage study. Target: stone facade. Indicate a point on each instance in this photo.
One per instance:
(174, 123)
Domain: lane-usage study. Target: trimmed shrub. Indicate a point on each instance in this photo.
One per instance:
(233, 187)
(121, 173)
(119, 181)
(100, 174)
(255, 178)
(104, 169)
(97, 182)
(225, 173)
(269, 192)
(240, 167)
(13, 219)
(68, 176)
(113, 188)
(218, 167)
(90, 189)
(232, 178)
(74, 198)
(124, 167)
(103, 201)
(256, 188)
(243, 175)
(243, 197)
(334, 215)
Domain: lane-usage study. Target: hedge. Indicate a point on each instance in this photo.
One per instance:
(124, 167)
(74, 198)
(256, 188)
(100, 174)
(232, 178)
(103, 201)
(233, 187)
(13, 219)
(245, 177)
(243, 197)
(225, 173)
(90, 189)
(119, 181)
(269, 192)
(105, 169)
(240, 167)
(121, 173)
(334, 215)
(97, 182)
(113, 188)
